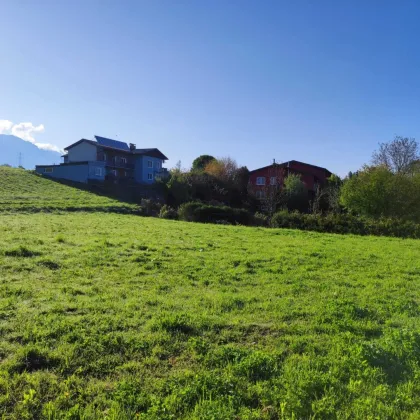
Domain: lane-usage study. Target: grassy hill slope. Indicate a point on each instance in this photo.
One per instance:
(118, 316)
(22, 190)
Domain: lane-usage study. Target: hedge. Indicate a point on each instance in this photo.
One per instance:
(205, 213)
(331, 223)
(345, 223)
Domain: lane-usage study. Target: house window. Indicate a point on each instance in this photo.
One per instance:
(98, 171)
(150, 176)
(261, 180)
(124, 160)
(125, 173)
(48, 170)
(158, 165)
(260, 194)
(114, 172)
(150, 163)
(273, 180)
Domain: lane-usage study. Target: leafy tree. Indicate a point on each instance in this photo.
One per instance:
(414, 167)
(200, 163)
(224, 169)
(327, 197)
(295, 193)
(333, 190)
(378, 192)
(230, 181)
(398, 156)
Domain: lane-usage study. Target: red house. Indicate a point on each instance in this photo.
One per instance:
(275, 173)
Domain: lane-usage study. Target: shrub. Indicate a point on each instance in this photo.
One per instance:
(377, 192)
(150, 207)
(167, 212)
(186, 211)
(261, 219)
(199, 212)
(345, 223)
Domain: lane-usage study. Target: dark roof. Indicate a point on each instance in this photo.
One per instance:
(151, 152)
(284, 164)
(95, 143)
(80, 141)
(114, 144)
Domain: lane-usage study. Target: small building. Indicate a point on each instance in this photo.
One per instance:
(274, 175)
(105, 159)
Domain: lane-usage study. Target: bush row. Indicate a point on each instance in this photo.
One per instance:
(346, 223)
(206, 213)
(332, 222)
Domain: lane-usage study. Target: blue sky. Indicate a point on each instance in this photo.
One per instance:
(317, 81)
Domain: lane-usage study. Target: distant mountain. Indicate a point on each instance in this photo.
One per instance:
(31, 155)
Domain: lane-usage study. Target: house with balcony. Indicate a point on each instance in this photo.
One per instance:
(104, 159)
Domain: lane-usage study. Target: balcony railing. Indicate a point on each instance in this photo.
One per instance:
(118, 163)
(161, 173)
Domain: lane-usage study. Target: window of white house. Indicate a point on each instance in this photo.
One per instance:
(123, 160)
(98, 171)
(48, 170)
(150, 163)
(158, 164)
(273, 180)
(261, 180)
(149, 176)
(260, 194)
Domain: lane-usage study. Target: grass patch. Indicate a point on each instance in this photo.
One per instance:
(118, 316)
(25, 191)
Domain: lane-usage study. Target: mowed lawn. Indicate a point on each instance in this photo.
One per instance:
(119, 316)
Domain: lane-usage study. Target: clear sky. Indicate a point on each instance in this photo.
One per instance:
(317, 81)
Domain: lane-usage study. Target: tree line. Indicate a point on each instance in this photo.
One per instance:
(389, 186)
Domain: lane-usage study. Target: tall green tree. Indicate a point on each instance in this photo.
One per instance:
(377, 192)
(295, 193)
(200, 163)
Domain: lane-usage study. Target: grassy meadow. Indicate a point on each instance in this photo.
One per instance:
(24, 191)
(120, 317)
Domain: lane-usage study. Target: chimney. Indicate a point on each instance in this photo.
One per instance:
(274, 161)
(132, 146)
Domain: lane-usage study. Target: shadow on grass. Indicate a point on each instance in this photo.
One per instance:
(123, 191)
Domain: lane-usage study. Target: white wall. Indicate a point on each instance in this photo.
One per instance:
(82, 152)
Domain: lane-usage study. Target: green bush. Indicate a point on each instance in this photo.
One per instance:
(167, 212)
(261, 219)
(345, 223)
(377, 192)
(205, 213)
(150, 207)
(186, 211)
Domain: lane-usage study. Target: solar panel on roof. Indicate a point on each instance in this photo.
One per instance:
(115, 144)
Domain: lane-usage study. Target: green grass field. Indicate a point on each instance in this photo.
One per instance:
(120, 317)
(24, 191)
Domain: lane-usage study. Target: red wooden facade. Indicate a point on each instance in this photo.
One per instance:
(274, 174)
